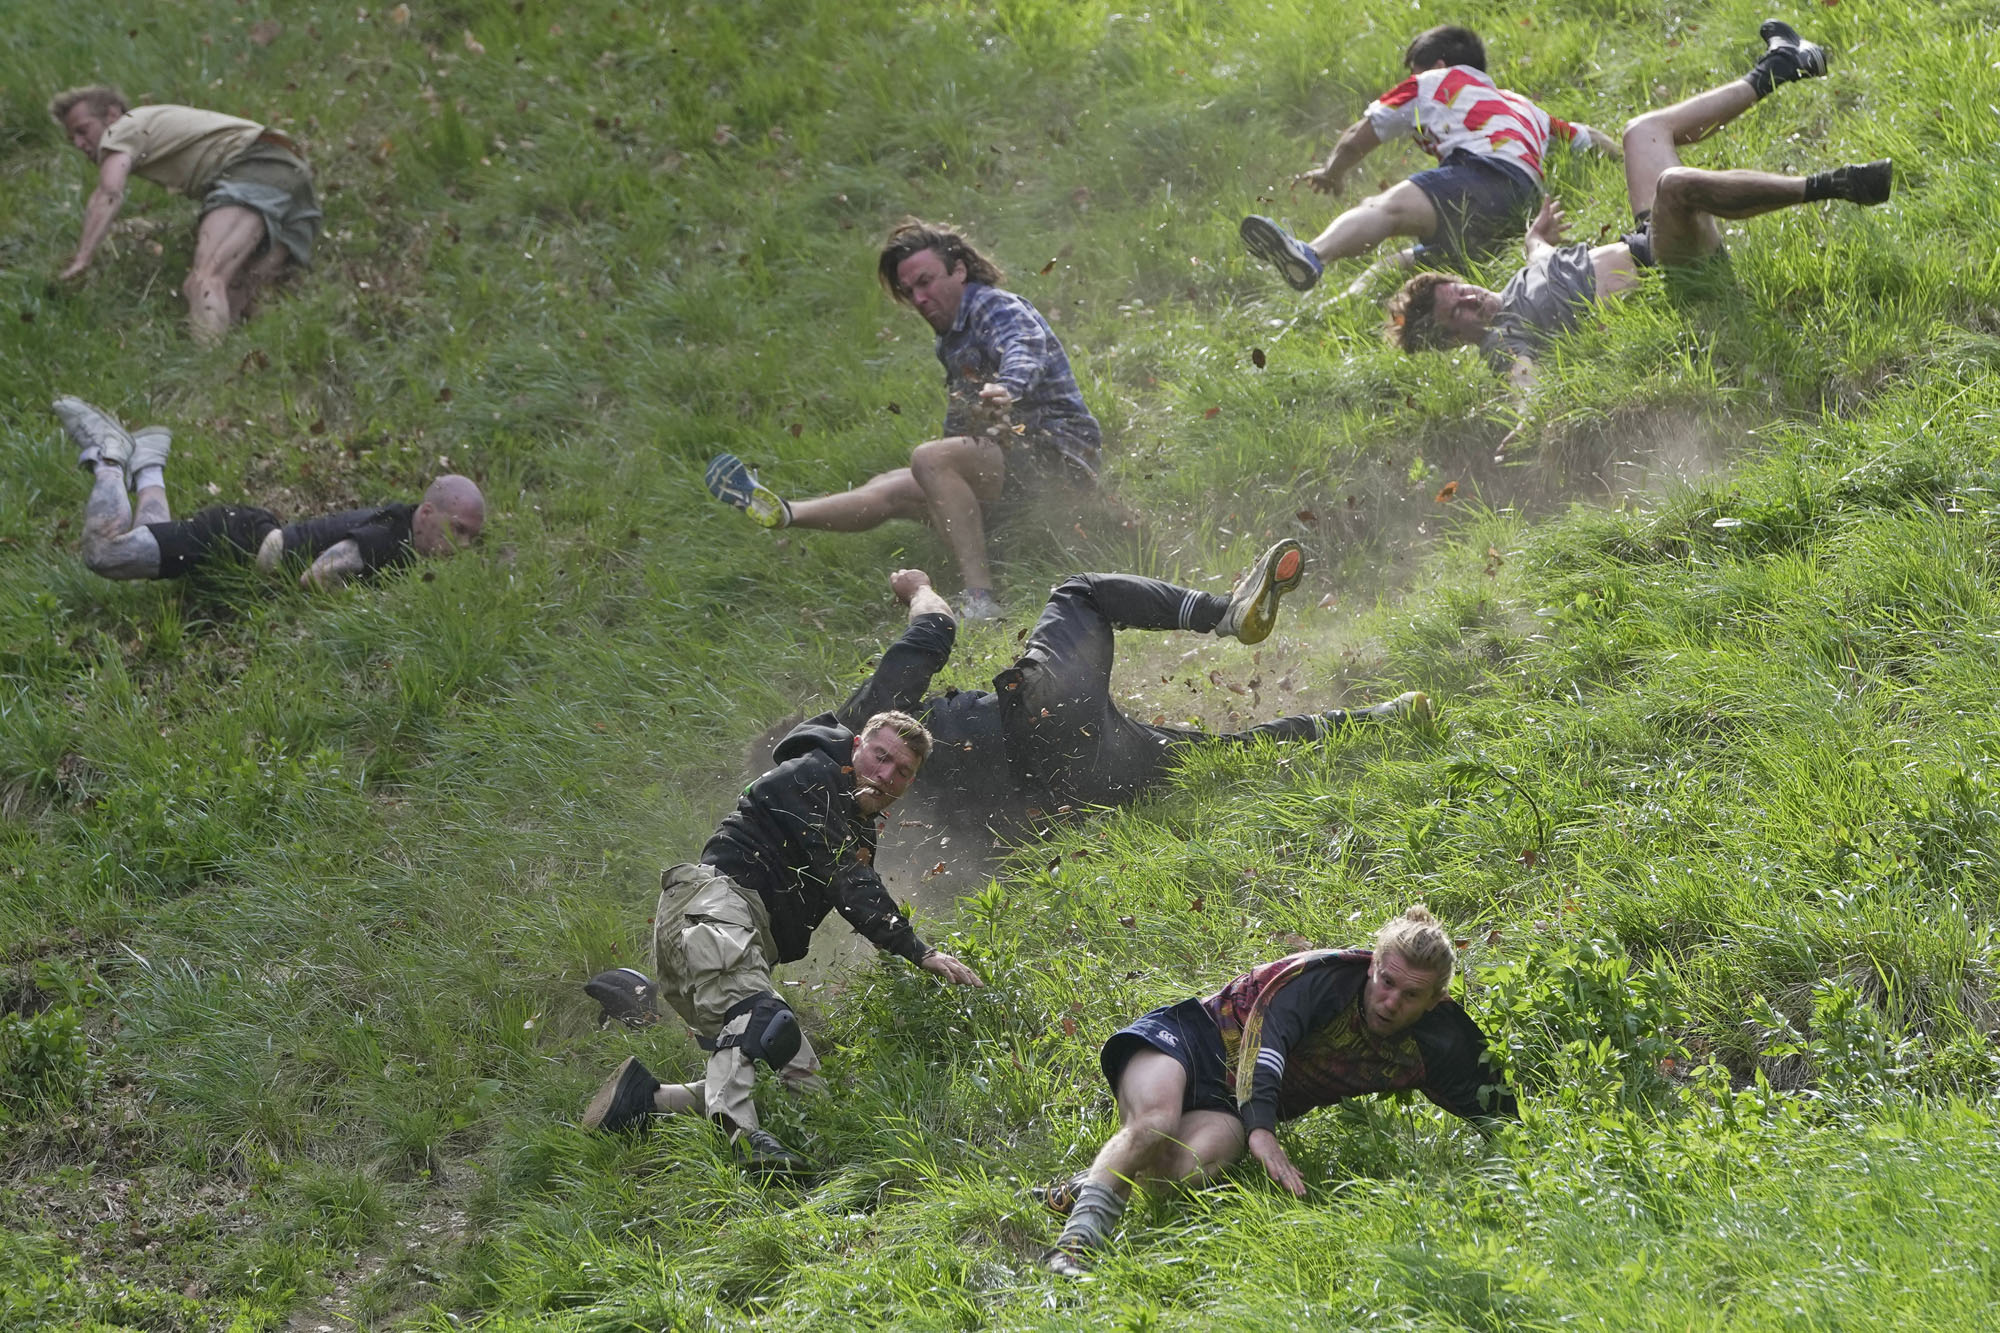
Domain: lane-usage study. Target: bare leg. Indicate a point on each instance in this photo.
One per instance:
(1156, 1140)
(871, 504)
(113, 547)
(152, 506)
(107, 514)
(1401, 210)
(223, 244)
(958, 476)
(252, 278)
(1652, 140)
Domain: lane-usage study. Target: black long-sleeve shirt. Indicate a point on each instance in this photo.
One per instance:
(969, 751)
(798, 840)
(1315, 1049)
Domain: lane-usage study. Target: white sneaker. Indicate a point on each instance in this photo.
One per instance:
(91, 428)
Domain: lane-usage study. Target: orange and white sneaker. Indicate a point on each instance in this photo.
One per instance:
(1253, 604)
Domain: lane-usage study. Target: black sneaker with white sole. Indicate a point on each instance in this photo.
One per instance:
(625, 1101)
(1787, 58)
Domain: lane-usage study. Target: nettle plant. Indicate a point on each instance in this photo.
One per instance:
(1574, 1020)
(43, 1058)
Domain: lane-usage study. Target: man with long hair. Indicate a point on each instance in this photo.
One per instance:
(1200, 1082)
(1014, 422)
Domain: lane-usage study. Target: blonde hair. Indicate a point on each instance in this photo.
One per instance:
(1419, 940)
(100, 97)
(913, 733)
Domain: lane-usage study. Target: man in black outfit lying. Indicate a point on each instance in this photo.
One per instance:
(1049, 733)
(146, 542)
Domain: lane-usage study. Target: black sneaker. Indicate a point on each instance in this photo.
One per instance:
(1864, 182)
(759, 1152)
(1791, 56)
(626, 994)
(625, 1101)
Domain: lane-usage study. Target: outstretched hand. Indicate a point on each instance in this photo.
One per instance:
(1324, 180)
(950, 969)
(1264, 1146)
(1549, 224)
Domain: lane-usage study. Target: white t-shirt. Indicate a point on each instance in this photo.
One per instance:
(1460, 109)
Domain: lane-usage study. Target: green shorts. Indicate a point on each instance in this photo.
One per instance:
(278, 186)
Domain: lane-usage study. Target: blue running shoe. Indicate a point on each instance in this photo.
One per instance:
(1293, 258)
(731, 481)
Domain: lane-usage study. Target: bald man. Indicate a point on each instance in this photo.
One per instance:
(123, 541)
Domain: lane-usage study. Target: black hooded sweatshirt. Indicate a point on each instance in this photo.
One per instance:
(798, 840)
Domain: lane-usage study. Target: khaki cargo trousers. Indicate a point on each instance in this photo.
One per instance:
(712, 949)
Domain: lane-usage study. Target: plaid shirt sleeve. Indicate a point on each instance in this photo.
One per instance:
(1012, 329)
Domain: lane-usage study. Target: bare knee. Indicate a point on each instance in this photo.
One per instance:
(932, 459)
(1648, 125)
(1676, 188)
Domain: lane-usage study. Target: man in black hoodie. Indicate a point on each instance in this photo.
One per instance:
(1050, 734)
(800, 843)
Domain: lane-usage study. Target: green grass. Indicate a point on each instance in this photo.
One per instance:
(296, 890)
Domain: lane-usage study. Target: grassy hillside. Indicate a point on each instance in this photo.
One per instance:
(296, 890)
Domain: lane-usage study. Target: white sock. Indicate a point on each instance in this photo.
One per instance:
(153, 474)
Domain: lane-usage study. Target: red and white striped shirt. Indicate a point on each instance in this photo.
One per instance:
(1461, 108)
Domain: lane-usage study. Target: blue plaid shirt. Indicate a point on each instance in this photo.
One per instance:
(998, 338)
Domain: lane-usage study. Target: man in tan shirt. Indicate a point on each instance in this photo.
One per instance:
(258, 212)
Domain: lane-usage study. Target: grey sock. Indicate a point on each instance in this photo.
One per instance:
(1093, 1218)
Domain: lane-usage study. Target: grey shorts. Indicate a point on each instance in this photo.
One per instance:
(278, 186)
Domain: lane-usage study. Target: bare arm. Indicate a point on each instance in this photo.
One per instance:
(1357, 142)
(99, 213)
(335, 566)
(913, 588)
(1264, 1146)
(1593, 140)
(1545, 233)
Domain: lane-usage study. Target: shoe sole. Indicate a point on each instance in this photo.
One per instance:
(765, 506)
(1810, 55)
(1263, 240)
(1277, 571)
(607, 1096)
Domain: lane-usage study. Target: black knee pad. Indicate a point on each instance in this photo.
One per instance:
(185, 543)
(772, 1034)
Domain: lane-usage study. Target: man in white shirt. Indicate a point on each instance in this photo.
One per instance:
(1489, 142)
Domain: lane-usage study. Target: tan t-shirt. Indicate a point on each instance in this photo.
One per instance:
(180, 147)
